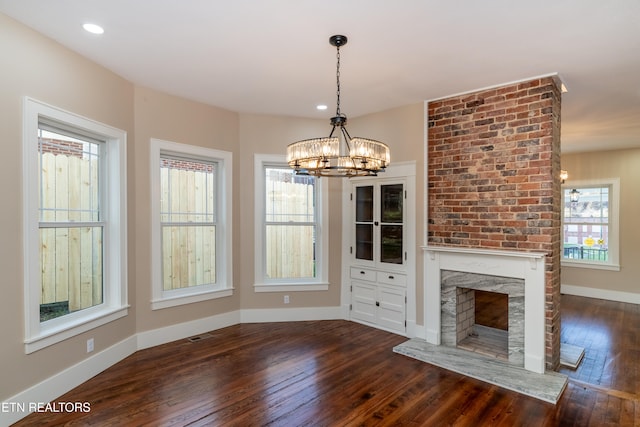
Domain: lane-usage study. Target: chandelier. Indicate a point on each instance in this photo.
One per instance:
(338, 155)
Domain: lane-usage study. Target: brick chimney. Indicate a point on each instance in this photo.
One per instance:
(493, 179)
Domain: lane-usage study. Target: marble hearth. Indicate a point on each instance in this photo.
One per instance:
(521, 275)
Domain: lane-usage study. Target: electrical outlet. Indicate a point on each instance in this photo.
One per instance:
(89, 345)
(286, 299)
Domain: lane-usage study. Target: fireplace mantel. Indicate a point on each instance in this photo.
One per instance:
(529, 266)
(483, 251)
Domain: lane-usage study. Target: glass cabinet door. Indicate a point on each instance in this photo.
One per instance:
(379, 223)
(364, 222)
(391, 223)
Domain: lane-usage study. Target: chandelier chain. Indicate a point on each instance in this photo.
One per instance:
(338, 81)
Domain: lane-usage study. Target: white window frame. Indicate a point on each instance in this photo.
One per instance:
(613, 245)
(38, 334)
(224, 260)
(262, 284)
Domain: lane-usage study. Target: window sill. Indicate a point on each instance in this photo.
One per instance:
(291, 287)
(190, 299)
(586, 264)
(70, 329)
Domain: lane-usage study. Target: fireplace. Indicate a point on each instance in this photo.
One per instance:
(450, 272)
(458, 310)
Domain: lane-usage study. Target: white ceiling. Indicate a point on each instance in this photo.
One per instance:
(273, 56)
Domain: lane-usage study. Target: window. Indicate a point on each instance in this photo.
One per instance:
(590, 231)
(191, 221)
(290, 238)
(74, 226)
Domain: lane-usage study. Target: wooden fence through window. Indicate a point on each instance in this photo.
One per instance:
(290, 242)
(70, 257)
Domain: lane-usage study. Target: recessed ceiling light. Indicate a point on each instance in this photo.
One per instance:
(93, 28)
(321, 107)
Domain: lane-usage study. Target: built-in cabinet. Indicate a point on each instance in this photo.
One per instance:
(378, 252)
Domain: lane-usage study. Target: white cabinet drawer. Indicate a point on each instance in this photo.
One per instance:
(390, 278)
(363, 274)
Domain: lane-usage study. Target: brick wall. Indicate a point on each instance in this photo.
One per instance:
(187, 165)
(465, 313)
(493, 178)
(61, 147)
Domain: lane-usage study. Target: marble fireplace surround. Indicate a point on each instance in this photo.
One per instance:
(528, 266)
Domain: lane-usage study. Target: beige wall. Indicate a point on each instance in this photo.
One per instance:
(623, 164)
(263, 134)
(37, 67)
(169, 118)
(403, 130)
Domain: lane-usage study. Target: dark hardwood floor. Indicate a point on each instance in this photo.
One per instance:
(339, 373)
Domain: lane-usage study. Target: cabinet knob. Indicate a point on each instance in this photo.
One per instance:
(391, 277)
(377, 303)
(362, 272)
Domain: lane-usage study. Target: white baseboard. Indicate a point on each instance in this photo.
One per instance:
(607, 294)
(60, 383)
(290, 314)
(183, 330)
(179, 331)
(346, 312)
